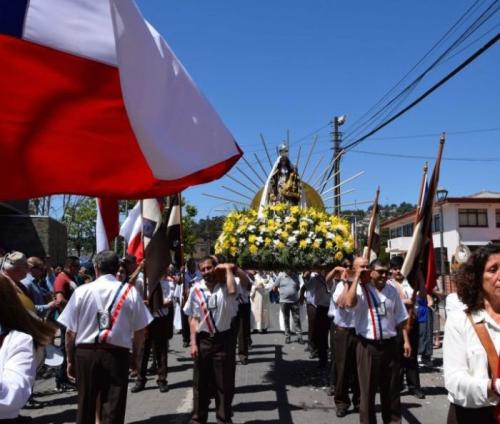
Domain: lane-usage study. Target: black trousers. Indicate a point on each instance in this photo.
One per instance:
(379, 366)
(213, 368)
(294, 309)
(186, 332)
(244, 312)
(321, 331)
(409, 366)
(101, 372)
(333, 368)
(460, 415)
(61, 376)
(157, 339)
(346, 343)
(311, 320)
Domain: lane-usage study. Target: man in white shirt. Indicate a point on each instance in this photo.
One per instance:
(190, 276)
(211, 306)
(379, 314)
(101, 319)
(157, 337)
(345, 344)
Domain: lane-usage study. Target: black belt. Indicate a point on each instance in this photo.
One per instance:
(217, 335)
(379, 342)
(348, 329)
(102, 346)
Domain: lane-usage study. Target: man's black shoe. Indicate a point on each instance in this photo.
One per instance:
(418, 393)
(138, 387)
(185, 344)
(341, 412)
(163, 386)
(307, 348)
(330, 391)
(244, 361)
(287, 340)
(300, 340)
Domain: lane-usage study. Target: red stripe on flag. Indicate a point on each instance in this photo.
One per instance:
(136, 247)
(109, 214)
(430, 276)
(64, 127)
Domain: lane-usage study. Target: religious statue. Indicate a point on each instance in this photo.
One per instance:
(284, 181)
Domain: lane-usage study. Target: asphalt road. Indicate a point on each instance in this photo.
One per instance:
(279, 385)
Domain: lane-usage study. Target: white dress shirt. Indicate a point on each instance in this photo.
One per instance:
(80, 314)
(465, 360)
(377, 316)
(453, 303)
(319, 291)
(168, 295)
(343, 317)
(223, 310)
(17, 373)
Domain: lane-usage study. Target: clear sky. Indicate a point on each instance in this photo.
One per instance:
(268, 66)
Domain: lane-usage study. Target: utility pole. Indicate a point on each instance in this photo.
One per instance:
(337, 139)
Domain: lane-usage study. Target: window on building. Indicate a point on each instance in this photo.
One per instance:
(473, 217)
(396, 232)
(408, 230)
(498, 217)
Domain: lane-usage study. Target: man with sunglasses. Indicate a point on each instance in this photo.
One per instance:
(379, 315)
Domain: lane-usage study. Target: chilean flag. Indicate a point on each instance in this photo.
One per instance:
(94, 102)
(107, 224)
(139, 228)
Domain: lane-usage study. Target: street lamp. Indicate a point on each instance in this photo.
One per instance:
(441, 195)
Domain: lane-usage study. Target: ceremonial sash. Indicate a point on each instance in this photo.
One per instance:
(103, 337)
(207, 315)
(373, 309)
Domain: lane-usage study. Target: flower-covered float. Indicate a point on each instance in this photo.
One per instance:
(286, 228)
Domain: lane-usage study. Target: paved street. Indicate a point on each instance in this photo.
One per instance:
(279, 385)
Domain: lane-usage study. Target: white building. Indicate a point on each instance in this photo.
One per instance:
(472, 221)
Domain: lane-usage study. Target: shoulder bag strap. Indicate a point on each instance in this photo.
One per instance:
(487, 343)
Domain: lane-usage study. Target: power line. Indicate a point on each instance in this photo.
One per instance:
(428, 92)
(402, 156)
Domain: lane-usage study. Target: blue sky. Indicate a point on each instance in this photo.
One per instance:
(272, 66)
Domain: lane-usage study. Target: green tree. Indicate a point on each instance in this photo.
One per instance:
(189, 234)
(79, 216)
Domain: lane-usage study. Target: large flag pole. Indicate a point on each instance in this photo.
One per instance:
(145, 286)
(373, 225)
(181, 247)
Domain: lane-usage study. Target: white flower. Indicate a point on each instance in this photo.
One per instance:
(292, 240)
(251, 228)
(330, 236)
(308, 240)
(295, 232)
(259, 240)
(243, 240)
(319, 240)
(276, 242)
(279, 231)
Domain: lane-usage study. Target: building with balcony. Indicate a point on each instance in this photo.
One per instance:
(472, 221)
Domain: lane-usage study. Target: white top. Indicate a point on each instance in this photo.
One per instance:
(377, 317)
(465, 361)
(453, 303)
(343, 317)
(167, 296)
(404, 289)
(80, 314)
(319, 292)
(17, 373)
(223, 308)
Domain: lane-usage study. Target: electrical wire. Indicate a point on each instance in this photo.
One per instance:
(405, 156)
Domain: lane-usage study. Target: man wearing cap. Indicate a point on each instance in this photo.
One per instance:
(101, 319)
(211, 306)
(379, 314)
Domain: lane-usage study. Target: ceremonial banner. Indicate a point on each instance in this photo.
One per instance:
(419, 261)
(107, 223)
(94, 102)
(372, 249)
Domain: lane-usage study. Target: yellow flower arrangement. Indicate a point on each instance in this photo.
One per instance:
(285, 238)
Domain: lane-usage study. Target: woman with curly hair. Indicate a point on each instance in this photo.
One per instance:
(470, 373)
(20, 334)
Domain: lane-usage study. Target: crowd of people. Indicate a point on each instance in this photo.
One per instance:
(368, 328)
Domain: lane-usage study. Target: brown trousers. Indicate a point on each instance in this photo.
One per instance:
(213, 368)
(345, 347)
(379, 366)
(101, 372)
